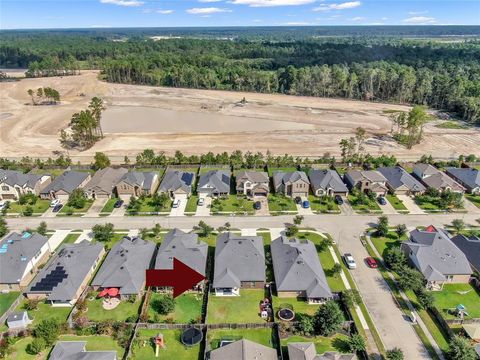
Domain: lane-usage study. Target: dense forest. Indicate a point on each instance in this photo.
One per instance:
(378, 67)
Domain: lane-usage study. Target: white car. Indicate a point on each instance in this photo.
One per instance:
(201, 201)
(350, 261)
(176, 203)
(3, 204)
(54, 203)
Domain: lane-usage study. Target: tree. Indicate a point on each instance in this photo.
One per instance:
(425, 298)
(31, 94)
(394, 257)
(103, 233)
(77, 199)
(304, 325)
(31, 304)
(356, 343)
(297, 220)
(96, 106)
(336, 269)
(3, 227)
(36, 346)
(159, 200)
(460, 348)
(410, 279)
(156, 230)
(351, 297)
(395, 354)
(292, 230)
(382, 226)
(48, 330)
(401, 229)
(205, 229)
(328, 318)
(360, 136)
(143, 232)
(28, 211)
(458, 225)
(101, 161)
(164, 305)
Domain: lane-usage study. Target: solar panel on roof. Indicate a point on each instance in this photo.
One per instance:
(225, 179)
(187, 178)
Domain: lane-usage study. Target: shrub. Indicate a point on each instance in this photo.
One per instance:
(36, 346)
(48, 330)
(351, 297)
(356, 343)
(31, 304)
(77, 199)
(394, 258)
(164, 305)
(328, 318)
(395, 354)
(28, 211)
(410, 279)
(304, 325)
(460, 348)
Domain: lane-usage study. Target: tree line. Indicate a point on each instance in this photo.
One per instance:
(45, 95)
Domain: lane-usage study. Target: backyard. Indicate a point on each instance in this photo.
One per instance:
(455, 294)
(236, 309)
(19, 350)
(126, 310)
(45, 311)
(383, 243)
(262, 336)
(6, 300)
(143, 348)
(396, 203)
(279, 203)
(96, 343)
(337, 342)
(324, 204)
(232, 203)
(271, 170)
(188, 309)
(299, 306)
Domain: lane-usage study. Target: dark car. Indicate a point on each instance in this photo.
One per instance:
(381, 200)
(306, 204)
(57, 208)
(118, 204)
(257, 205)
(298, 200)
(338, 200)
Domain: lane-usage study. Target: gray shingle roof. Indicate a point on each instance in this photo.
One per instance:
(105, 180)
(18, 319)
(469, 177)
(16, 251)
(371, 175)
(397, 176)
(185, 247)
(281, 177)
(307, 351)
(253, 176)
(215, 181)
(76, 260)
(174, 180)
(142, 179)
(244, 350)
(238, 258)
(12, 178)
(297, 267)
(326, 179)
(68, 181)
(125, 266)
(436, 255)
(434, 178)
(75, 350)
(470, 247)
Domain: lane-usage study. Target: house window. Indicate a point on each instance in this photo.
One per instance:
(38, 254)
(5, 188)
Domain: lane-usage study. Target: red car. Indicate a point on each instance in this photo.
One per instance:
(371, 262)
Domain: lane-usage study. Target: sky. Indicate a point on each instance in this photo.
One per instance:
(35, 14)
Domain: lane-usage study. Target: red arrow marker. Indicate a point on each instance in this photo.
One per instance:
(181, 277)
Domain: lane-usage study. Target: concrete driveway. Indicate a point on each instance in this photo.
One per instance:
(346, 208)
(121, 210)
(49, 213)
(204, 210)
(96, 207)
(264, 210)
(410, 204)
(387, 208)
(470, 207)
(56, 239)
(180, 210)
(303, 211)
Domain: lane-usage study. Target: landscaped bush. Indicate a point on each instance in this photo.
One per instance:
(164, 305)
(36, 346)
(328, 319)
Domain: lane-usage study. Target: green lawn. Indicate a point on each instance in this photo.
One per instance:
(96, 343)
(46, 311)
(426, 205)
(116, 238)
(452, 295)
(53, 172)
(39, 207)
(337, 342)
(192, 204)
(206, 169)
(70, 238)
(324, 204)
(19, 350)
(147, 207)
(300, 306)
(284, 169)
(450, 125)
(261, 336)
(6, 300)
(281, 203)
(211, 239)
(396, 203)
(475, 199)
(108, 207)
(236, 309)
(143, 348)
(70, 210)
(383, 243)
(370, 206)
(232, 204)
(122, 312)
(188, 307)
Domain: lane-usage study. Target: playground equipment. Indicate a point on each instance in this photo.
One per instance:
(265, 309)
(159, 343)
(461, 311)
(286, 314)
(191, 336)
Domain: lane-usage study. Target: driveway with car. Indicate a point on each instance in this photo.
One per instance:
(301, 210)
(180, 209)
(387, 208)
(263, 206)
(204, 210)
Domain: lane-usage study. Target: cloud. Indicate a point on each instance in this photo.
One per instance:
(417, 12)
(341, 6)
(206, 11)
(270, 3)
(419, 20)
(123, 2)
(164, 12)
(209, 1)
(357, 18)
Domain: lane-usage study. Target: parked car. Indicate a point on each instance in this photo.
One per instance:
(54, 203)
(3, 204)
(306, 204)
(176, 203)
(57, 207)
(381, 200)
(350, 261)
(201, 201)
(298, 200)
(338, 200)
(118, 204)
(371, 262)
(257, 205)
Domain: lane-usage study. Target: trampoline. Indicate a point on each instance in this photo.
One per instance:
(191, 336)
(286, 314)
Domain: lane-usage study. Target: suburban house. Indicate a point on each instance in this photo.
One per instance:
(125, 267)
(470, 246)
(469, 178)
(137, 183)
(327, 183)
(307, 351)
(367, 181)
(20, 256)
(298, 272)
(18, 320)
(291, 184)
(65, 277)
(239, 263)
(434, 178)
(62, 186)
(399, 182)
(243, 350)
(439, 260)
(76, 350)
(176, 182)
(14, 184)
(214, 183)
(252, 183)
(185, 247)
(103, 183)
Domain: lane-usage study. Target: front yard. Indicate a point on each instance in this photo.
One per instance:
(280, 203)
(145, 205)
(46, 312)
(192, 204)
(262, 336)
(72, 211)
(126, 310)
(474, 199)
(38, 208)
(324, 204)
(455, 294)
(337, 342)
(233, 204)
(108, 207)
(367, 206)
(143, 348)
(397, 203)
(235, 309)
(188, 309)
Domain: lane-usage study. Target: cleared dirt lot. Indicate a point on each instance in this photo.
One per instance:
(196, 121)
